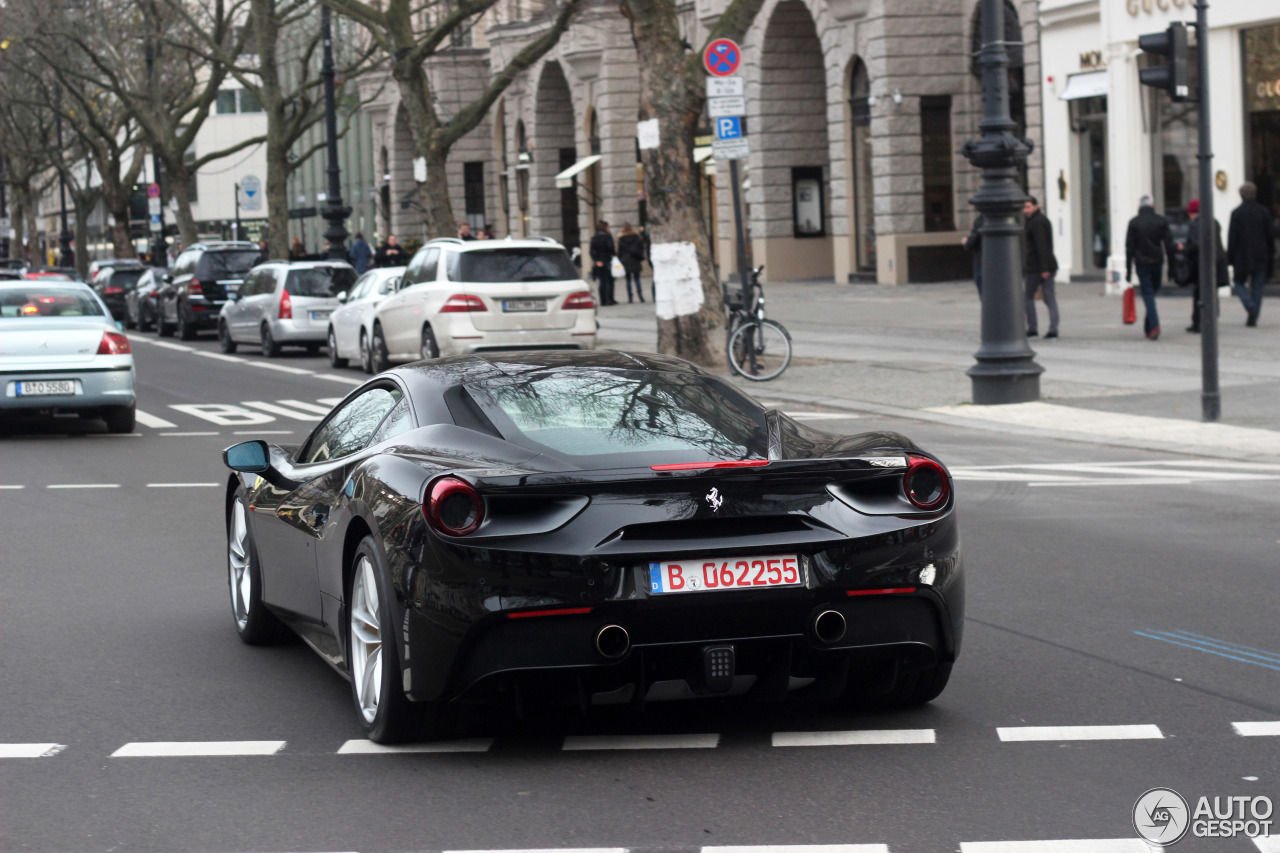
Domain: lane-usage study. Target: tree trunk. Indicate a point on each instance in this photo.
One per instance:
(17, 247)
(177, 185)
(689, 303)
(424, 125)
(277, 195)
(83, 202)
(35, 256)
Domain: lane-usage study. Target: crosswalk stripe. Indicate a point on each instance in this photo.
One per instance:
(549, 850)
(368, 747)
(30, 750)
(283, 368)
(273, 409)
(868, 737)
(584, 743)
(1039, 733)
(149, 420)
(1257, 729)
(1267, 845)
(187, 749)
(1074, 845)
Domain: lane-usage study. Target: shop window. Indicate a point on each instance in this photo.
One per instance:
(936, 161)
(807, 201)
(473, 194)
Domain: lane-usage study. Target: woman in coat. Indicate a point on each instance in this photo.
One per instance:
(631, 253)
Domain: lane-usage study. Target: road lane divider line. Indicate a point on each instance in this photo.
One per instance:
(801, 848)
(263, 432)
(865, 737)
(193, 749)
(221, 356)
(1070, 845)
(305, 407)
(185, 434)
(12, 488)
(83, 486)
(550, 850)
(368, 747)
(272, 408)
(333, 377)
(1258, 729)
(594, 743)
(1135, 481)
(1240, 656)
(149, 420)
(182, 485)
(1222, 644)
(164, 344)
(30, 750)
(1054, 733)
(283, 368)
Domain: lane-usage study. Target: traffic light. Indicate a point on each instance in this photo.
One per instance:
(1174, 75)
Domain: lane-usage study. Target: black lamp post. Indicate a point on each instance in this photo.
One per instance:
(334, 210)
(1006, 371)
(159, 246)
(66, 259)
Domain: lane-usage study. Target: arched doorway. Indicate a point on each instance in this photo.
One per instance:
(790, 213)
(554, 211)
(862, 222)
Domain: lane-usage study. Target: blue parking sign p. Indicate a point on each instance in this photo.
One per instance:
(729, 128)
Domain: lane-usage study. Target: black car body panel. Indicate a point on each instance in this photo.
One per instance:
(561, 536)
(203, 276)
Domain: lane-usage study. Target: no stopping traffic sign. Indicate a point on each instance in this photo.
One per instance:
(722, 57)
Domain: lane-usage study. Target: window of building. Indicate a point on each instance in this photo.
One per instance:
(236, 101)
(936, 163)
(473, 194)
(807, 201)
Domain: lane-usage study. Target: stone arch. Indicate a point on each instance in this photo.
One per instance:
(553, 212)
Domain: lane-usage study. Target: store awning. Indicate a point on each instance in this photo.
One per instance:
(702, 154)
(564, 180)
(1091, 84)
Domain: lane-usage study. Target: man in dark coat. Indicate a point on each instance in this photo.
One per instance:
(1251, 250)
(391, 253)
(1145, 246)
(1039, 267)
(1191, 248)
(602, 251)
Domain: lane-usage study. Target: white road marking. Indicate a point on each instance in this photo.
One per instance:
(165, 344)
(114, 435)
(821, 416)
(587, 743)
(330, 401)
(283, 368)
(867, 737)
(12, 487)
(550, 850)
(83, 486)
(182, 485)
(221, 356)
(191, 748)
(1072, 845)
(1133, 481)
(30, 750)
(802, 848)
(223, 414)
(282, 411)
(1030, 733)
(263, 432)
(306, 407)
(333, 377)
(149, 420)
(184, 434)
(1268, 845)
(368, 747)
(1258, 729)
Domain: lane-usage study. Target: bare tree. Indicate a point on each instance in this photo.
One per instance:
(26, 123)
(408, 33)
(673, 92)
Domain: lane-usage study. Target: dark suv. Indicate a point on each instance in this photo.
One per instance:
(113, 284)
(204, 275)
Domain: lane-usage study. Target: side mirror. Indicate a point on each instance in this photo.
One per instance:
(248, 457)
(342, 296)
(167, 279)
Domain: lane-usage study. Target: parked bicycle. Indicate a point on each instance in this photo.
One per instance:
(758, 349)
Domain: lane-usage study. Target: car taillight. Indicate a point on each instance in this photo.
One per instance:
(195, 288)
(114, 343)
(453, 507)
(926, 484)
(286, 306)
(112, 291)
(579, 300)
(461, 303)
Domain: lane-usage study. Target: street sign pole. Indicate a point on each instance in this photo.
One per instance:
(239, 234)
(726, 104)
(1210, 397)
(738, 236)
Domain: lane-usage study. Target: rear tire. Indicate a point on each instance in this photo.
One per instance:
(334, 361)
(120, 419)
(186, 331)
(366, 353)
(225, 343)
(378, 351)
(429, 348)
(270, 349)
(164, 327)
(256, 625)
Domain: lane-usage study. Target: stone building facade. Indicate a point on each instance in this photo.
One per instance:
(856, 111)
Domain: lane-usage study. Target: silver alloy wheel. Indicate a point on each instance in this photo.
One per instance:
(366, 356)
(239, 575)
(366, 639)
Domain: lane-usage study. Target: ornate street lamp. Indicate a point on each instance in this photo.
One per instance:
(1006, 371)
(334, 211)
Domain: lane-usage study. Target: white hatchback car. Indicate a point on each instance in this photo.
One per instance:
(351, 326)
(463, 297)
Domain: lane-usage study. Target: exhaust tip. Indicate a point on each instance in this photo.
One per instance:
(829, 626)
(612, 641)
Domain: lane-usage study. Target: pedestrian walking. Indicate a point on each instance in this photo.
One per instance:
(1146, 244)
(391, 253)
(361, 255)
(631, 253)
(602, 252)
(973, 245)
(1191, 248)
(1039, 267)
(1251, 250)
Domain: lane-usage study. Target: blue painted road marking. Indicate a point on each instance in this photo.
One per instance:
(1221, 648)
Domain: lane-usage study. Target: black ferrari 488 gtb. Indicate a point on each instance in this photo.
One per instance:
(602, 527)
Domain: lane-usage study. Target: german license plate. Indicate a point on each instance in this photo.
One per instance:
(320, 315)
(723, 574)
(524, 305)
(46, 388)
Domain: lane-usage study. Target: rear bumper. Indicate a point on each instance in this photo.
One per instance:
(94, 389)
(300, 331)
(461, 337)
(202, 313)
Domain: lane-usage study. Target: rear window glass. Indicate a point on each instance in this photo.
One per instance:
(320, 281)
(500, 265)
(124, 278)
(47, 302)
(216, 265)
(623, 418)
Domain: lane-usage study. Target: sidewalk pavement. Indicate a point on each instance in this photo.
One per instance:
(903, 351)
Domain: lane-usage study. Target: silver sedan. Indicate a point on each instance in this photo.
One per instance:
(61, 352)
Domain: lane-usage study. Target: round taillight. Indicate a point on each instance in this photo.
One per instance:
(926, 483)
(453, 507)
